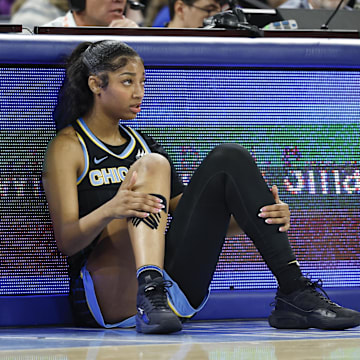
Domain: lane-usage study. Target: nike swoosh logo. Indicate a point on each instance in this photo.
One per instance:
(98, 161)
(139, 154)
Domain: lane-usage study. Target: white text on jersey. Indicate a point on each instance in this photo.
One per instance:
(107, 176)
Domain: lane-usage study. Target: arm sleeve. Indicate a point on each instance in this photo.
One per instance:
(177, 186)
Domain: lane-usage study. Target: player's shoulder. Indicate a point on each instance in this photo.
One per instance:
(65, 142)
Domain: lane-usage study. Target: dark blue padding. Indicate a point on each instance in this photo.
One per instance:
(194, 51)
(35, 310)
(251, 304)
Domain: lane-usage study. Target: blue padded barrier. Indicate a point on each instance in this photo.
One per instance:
(251, 304)
(257, 303)
(35, 310)
(283, 52)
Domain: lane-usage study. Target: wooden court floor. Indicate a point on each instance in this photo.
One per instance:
(214, 340)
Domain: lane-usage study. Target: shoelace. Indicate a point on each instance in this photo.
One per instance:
(318, 284)
(156, 293)
(311, 286)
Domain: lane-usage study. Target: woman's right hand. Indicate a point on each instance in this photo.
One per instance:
(131, 203)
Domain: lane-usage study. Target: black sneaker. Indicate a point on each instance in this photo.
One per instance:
(154, 315)
(307, 308)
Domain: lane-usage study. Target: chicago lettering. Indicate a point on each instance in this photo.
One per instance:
(107, 176)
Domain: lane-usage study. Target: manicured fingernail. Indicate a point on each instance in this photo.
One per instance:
(262, 209)
(268, 221)
(260, 215)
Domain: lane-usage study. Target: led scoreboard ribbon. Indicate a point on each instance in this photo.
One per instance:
(302, 127)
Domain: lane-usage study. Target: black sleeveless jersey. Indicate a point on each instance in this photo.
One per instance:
(105, 169)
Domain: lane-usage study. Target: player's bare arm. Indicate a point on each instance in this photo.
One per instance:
(59, 178)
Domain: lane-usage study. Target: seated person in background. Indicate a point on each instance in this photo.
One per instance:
(191, 13)
(94, 13)
(157, 13)
(30, 13)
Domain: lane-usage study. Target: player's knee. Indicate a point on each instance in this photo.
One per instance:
(154, 164)
(230, 155)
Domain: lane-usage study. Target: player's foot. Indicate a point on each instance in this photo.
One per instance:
(307, 308)
(154, 315)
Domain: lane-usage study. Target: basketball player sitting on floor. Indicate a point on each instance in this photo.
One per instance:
(110, 189)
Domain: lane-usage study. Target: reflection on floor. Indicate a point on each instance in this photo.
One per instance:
(215, 340)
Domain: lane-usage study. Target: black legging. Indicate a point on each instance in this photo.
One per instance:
(227, 182)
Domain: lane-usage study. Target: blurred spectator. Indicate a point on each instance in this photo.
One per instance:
(191, 13)
(17, 4)
(32, 13)
(162, 18)
(135, 15)
(153, 11)
(5, 7)
(95, 13)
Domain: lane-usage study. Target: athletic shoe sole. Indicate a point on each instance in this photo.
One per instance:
(282, 319)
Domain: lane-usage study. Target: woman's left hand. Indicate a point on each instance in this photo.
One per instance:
(278, 213)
